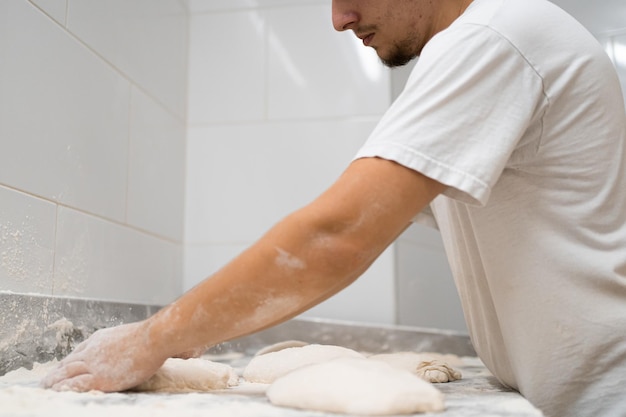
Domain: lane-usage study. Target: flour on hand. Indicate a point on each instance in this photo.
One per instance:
(266, 368)
(187, 375)
(355, 386)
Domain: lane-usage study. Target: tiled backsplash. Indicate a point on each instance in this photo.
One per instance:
(93, 146)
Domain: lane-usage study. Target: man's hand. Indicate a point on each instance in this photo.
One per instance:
(113, 359)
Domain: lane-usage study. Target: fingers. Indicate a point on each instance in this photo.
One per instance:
(80, 383)
(63, 372)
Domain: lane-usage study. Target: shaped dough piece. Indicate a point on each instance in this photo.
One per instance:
(355, 386)
(187, 375)
(437, 372)
(432, 367)
(270, 366)
(280, 346)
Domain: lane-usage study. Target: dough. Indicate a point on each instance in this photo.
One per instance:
(355, 386)
(432, 367)
(186, 375)
(280, 346)
(266, 368)
(436, 371)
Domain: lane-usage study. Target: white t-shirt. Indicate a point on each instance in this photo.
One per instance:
(519, 111)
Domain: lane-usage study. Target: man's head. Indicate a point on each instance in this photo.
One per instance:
(396, 29)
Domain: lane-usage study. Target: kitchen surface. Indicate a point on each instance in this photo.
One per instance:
(476, 394)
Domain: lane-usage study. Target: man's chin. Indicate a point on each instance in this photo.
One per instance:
(396, 61)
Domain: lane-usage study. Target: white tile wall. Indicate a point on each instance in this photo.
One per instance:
(227, 78)
(316, 72)
(156, 173)
(27, 230)
(615, 46)
(371, 299)
(64, 114)
(98, 259)
(426, 294)
(145, 39)
(199, 6)
(242, 179)
(56, 9)
(93, 148)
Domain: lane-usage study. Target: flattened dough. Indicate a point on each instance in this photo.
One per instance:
(280, 346)
(432, 367)
(187, 375)
(355, 386)
(266, 368)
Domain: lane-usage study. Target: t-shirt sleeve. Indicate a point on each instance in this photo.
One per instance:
(467, 103)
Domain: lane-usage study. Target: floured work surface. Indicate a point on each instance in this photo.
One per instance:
(477, 394)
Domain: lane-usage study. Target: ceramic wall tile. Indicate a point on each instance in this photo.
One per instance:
(145, 39)
(156, 172)
(315, 71)
(203, 6)
(371, 298)
(241, 179)
(27, 227)
(56, 9)
(425, 236)
(63, 115)
(599, 17)
(426, 295)
(227, 71)
(107, 261)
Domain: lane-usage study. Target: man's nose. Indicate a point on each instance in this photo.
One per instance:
(343, 18)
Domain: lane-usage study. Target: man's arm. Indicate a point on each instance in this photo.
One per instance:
(304, 259)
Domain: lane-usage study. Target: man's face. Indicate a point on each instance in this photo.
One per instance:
(396, 29)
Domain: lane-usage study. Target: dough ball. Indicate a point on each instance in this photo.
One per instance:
(355, 386)
(437, 372)
(280, 346)
(432, 367)
(186, 375)
(266, 368)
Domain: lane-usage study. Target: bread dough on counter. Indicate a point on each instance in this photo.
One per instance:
(355, 386)
(268, 367)
(188, 375)
(432, 367)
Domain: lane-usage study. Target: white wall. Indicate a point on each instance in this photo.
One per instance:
(278, 105)
(92, 131)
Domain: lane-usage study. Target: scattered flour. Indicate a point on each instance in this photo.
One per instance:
(21, 396)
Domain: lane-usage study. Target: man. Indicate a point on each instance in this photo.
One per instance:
(511, 135)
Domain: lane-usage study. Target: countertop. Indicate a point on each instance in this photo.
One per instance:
(477, 394)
